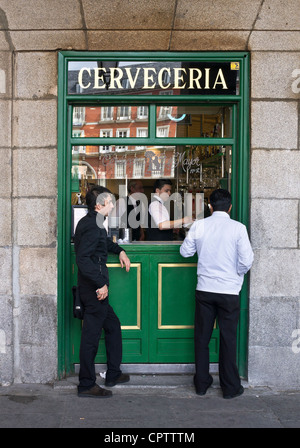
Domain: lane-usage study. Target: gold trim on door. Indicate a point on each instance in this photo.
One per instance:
(169, 265)
(138, 295)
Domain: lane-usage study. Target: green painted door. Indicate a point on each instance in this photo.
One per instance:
(173, 282)
(193, 131)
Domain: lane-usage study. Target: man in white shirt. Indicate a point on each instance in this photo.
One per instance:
(160, 227)
(224, 257)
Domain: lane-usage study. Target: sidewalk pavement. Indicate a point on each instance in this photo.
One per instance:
(147, 401)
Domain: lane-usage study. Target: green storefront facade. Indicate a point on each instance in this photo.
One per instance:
(155, 300)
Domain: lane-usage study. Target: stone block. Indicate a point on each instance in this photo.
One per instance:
(274, 124)
(5, 222)
(38, 321)
(5, 74)
(36, 75)
(35, 220)
(6, 340)
(6, 367)
(272, 75)
(274, 223)
(5, 272)
(209, 40)
(5, 178)
(274, 367)
(275, 174)
(38, 271)
(275, 273)
(221, 14)
(133, 15)
(5, 120)
(38, 363)
(45, 40)
(267, 326)
(278, 15)
(35, 123)
(131, 40)
(4, 44)
(274, 40)
(43, 15)
(35, 172)
(6, 324)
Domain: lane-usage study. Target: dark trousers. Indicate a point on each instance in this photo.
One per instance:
(98, 315)
(227, 309)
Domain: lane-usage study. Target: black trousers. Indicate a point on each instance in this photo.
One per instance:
(226, 307)
(98, 315)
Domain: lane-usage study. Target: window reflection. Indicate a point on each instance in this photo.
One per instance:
(171, 121)
(110, 121)
(194, 121)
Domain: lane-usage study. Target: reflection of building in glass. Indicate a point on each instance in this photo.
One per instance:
(122, 122)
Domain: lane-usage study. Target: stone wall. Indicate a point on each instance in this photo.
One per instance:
(31, 34)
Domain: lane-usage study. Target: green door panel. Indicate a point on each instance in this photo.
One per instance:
(173, 283)
(128, 297)
(155, 302)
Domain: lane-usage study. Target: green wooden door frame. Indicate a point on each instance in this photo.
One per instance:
(241, 159)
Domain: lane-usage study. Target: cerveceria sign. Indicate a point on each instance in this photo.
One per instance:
(191, 77)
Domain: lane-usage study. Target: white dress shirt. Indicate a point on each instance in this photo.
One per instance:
(158, 211)
(224, 253)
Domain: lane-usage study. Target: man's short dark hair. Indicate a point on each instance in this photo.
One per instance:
(159, 183)
(92, 195)
(131, 184)
(220, 200)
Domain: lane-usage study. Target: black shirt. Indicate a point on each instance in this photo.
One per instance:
(91, 247)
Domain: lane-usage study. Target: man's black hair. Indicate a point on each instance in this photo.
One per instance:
(159, 183)
(220, 200)
(92, 195)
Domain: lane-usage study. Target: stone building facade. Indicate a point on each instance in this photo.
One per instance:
(31, 35)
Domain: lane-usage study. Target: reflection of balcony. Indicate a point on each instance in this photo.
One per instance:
(105, 149)
(157, 173)
(78, 150)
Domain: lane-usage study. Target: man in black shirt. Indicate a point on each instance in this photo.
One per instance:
(92, 246)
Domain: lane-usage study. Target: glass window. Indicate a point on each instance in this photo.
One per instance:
(106, 133)
(195, 171)
(90, 121)
(107, 113)
(194, 121)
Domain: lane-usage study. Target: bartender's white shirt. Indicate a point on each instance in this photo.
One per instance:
(224, 253)
(158, 211)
